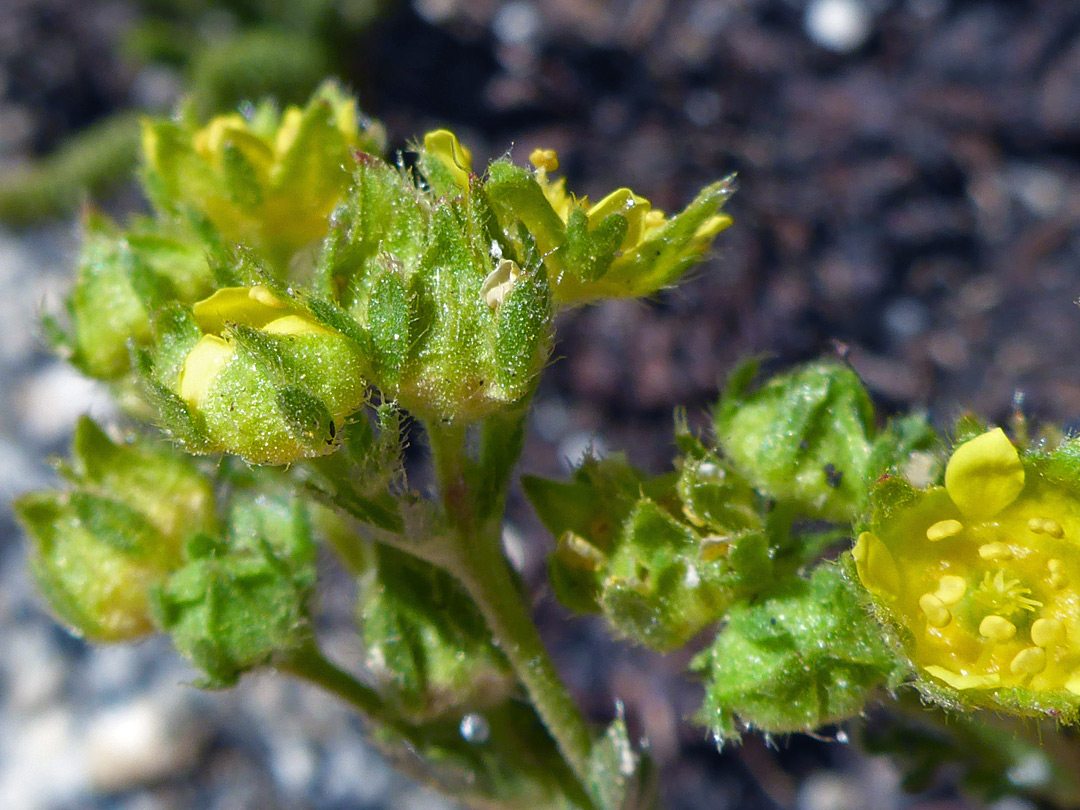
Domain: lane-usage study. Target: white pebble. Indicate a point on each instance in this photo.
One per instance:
(139, 743)
(840, 26)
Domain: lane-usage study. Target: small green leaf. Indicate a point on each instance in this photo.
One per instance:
(808, 655)
(621, 778)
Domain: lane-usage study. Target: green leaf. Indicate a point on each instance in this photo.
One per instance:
(621, 778)
(426, 641)
(808, 655)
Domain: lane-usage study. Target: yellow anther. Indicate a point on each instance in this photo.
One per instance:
(937, 615)
(1047, 632)
(951, 589)
(997, 628)
(995, 551)
(944, 529)
(1029, 661)
(1045, 526)
(545, 159)
(1058, 579)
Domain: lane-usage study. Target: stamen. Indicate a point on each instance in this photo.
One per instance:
(1029, 661)
(1047, 632)
(1073, 684)
(1046, 526)
(951, 589)
(997, 628)
(944, 529)
(1058, 579)
(937, 615)
(995, 551)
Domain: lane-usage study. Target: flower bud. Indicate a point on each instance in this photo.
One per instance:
(806, 436)
(122, 277)
(456, 327)
(239, 599)
(100, 546)
(619, 247)
(978, 578)
(266, 180)
(258, 376)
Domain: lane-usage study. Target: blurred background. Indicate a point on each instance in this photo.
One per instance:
(909, 195)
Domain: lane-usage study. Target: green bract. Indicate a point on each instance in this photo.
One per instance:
(252, 373)
(100, 545)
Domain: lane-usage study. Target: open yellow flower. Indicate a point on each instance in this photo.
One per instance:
(980, 577)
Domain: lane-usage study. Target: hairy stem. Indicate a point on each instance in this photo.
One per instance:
(477, 560)
(308, 664)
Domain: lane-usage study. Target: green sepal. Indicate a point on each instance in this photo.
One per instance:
(238, 601)
(307, 419)
(803, 436)
(806, 656)
(523, 333)
(388, 321)
(517, 197)
(588, 253)
(426, 641)
(383, 215)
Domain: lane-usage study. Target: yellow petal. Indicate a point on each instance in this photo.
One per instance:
(443, 145)
(296, 325)
(984, 475)
(876, 566)
(202, 366)
(959, 681)
(251, 306)
(632, 206)
(289, 130)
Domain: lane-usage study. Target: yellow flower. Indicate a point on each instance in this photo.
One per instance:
(981, 577)
(267, 181)
(643, 221)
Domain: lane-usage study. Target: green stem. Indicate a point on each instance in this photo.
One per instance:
(308, 664)
(477, 560)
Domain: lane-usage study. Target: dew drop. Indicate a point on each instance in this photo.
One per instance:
(475, 729)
